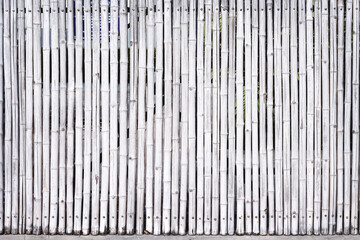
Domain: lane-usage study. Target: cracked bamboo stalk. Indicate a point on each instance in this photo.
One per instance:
(2, 118)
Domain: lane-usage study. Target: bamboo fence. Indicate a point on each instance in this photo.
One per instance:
(179, 117)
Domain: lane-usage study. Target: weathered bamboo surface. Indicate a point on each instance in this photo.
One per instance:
(179, 117)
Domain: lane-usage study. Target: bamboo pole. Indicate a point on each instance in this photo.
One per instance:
(123, 116)
(158, 117)
(231, 120)
(270, 117)
(200, 119)
(29, 115)
(70, 120)
(192, 118)
(54, 156)
(141, 121)
(62, 145)
(240, 198)
(114, 32)
(175, 119)
(2, 117)
(309, 118)
(262, 119)
(278, 159)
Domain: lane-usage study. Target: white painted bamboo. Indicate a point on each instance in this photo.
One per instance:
(158, 117)
(192, 119)
(200, 119)
(114, 32)
(340, 120)
(54, 155)
(301, 216)
(355, 122)
(37, 117)
(347, 119)
(248, 86)
(166, 209)
(46, 74)
(262, 118)
(309, 118)
(231, 119)
(130, 226)
(333, 116)
(70, 119)
(175, 157)
(79, 116)
(123, 116)
(317, 126)
(240, 198)
(2, 118)
(140, 187)
(63, 98)
(278, 159)
(270, 117)
(149, 160)
(87, 118)
(29, 116)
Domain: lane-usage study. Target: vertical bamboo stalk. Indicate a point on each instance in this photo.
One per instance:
(114, 25)
(70, 119)
(175, 119)
(2, 117)
(123, 116)
(340, 120)
(192, 118)
(294, 216)
(240, 198)
(62, 146)
(158, 117)
(29, 116)
(79, 116)
(200, 119)
(309, 118)
(302, 118)
(141, 121)
(262, 118)
(231, 120)
(347, 118)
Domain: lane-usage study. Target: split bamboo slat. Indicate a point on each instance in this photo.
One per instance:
(179, 117)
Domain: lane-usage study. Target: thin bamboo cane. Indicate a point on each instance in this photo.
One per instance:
(2, 117)
(309, 118)
(54, 157)
(192, 118)
(141, 121)
(262, 118)
(123, 116)
(200, 119)
(79, 116)
(158, 117)
(340, 120)
(240, 198)
(62, 146)
(231, 120)
(317, 126)
(114, 32)
(248, 86)
(175, 119)
(278, 158)
(333, 115)
(269, 116)
(29, 116)
(46, 57)
(347, 119)
(37, 117)
(355, 123)
(87, 118)
(294, 216)
(132, 118)
(149, 210)
(70, 119)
